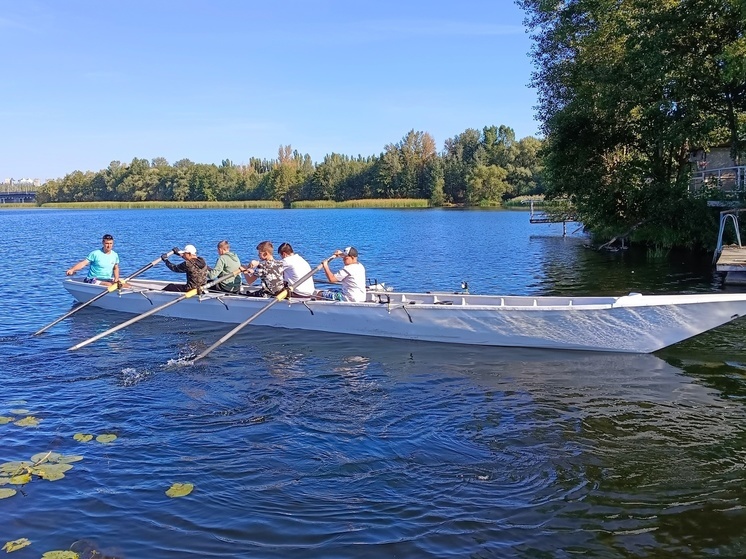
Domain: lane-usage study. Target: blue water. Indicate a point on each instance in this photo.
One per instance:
(315, 445)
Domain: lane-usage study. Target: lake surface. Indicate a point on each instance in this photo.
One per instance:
(316, 445)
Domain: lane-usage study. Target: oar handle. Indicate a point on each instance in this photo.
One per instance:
(221, 279)
(150, 265)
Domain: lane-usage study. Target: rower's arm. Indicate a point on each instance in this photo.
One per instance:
(79, 266)
(329, 275)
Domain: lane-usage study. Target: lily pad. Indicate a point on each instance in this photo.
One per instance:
(106, 438)
(20, 479)
(51, 472)
(180, 490)
(12, 468)
(16, 544)
(60, 555)
(82, 437)
(29, 421)
(20, 412)
(45, 457)
(54, 458)
(5, 493)
(5, 419)
(4, 480)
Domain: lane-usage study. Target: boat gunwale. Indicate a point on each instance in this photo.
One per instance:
(443, 300)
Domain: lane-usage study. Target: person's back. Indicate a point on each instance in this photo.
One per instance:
(294, 268)
(228, 263)
(353, 283)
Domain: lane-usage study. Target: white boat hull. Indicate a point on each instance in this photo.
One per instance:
(634, 323)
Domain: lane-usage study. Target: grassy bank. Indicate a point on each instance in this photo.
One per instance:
(366, 203)
(16, 206)
(381, 203)
(239, 204)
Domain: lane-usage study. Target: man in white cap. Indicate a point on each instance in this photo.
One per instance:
(351, 277)
(193, 266)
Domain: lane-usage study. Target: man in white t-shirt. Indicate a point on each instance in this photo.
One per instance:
(294, 267)
(351, 277)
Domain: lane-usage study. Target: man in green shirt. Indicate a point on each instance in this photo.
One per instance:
(228, 262)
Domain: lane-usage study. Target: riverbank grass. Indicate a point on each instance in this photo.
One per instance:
(233, 204)
(364, 203)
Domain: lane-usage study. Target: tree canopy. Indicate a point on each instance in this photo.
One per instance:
(627, 90)
(480, 168)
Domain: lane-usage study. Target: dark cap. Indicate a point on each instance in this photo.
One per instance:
(350, 251)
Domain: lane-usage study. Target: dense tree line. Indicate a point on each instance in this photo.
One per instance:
(476, 168)
(627, 89)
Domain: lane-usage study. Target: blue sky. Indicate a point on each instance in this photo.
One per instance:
(87, 82)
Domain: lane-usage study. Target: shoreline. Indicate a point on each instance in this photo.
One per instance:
(399, 203)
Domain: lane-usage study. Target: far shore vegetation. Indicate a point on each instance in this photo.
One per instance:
(517, 203)
(476, 168)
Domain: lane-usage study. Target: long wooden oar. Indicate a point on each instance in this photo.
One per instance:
(187, 295)
(108, 290)
(276, 299)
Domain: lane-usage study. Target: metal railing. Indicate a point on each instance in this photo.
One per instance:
(726, 179)
(725, 216)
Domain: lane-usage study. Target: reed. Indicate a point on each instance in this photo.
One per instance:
(364, 203)
(658, 252)
(523, 202)
(233, 204)
(15, 205)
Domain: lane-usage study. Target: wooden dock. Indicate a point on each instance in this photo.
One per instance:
(732, 261)
(543, 217)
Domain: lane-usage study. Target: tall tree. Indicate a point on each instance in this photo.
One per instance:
(462, 153)
(624, 94)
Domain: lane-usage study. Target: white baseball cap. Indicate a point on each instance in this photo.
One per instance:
(190, 249)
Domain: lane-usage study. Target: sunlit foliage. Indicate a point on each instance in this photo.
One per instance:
(411, 168)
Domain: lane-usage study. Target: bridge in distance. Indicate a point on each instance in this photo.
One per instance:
(20, 197)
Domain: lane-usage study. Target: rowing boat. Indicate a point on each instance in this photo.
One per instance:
(632, 323)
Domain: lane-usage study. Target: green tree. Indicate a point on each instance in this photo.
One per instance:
(626, 89)
(526, 176)
(462, 153)
(485, 185)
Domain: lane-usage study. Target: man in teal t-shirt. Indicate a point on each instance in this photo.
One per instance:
(104, 269)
